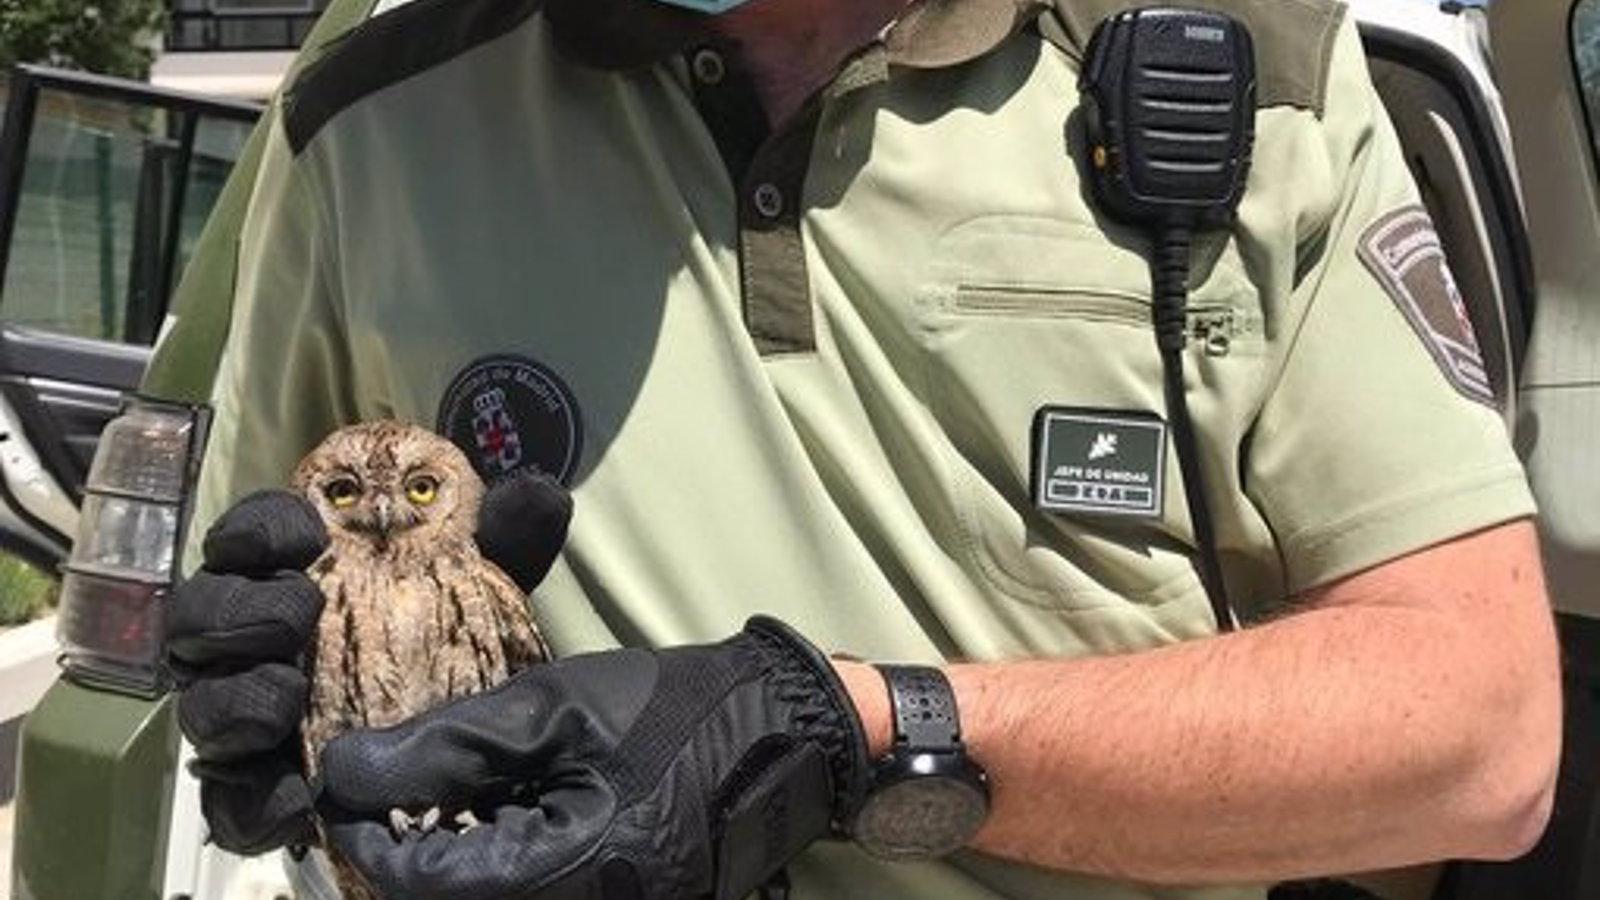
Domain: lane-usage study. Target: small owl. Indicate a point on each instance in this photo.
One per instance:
(414, 616)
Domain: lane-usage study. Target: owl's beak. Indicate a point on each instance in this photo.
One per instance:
(383, 516)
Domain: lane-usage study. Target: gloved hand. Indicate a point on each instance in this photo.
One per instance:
(690, 772)
(237, 630)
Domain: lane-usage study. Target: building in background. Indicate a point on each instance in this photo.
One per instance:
(233, 48)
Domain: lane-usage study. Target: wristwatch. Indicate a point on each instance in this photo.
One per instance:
(928, 798)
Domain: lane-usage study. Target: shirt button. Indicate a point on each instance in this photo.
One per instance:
(768, 200)
(709, 67)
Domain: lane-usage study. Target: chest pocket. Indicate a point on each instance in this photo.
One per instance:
(1018, 313)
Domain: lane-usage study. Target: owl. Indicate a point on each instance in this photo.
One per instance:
(413, 615)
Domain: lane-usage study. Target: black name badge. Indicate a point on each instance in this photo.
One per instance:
(1100, 462)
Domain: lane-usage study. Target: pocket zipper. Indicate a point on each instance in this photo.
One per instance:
(1212, 328)
(1054, 304)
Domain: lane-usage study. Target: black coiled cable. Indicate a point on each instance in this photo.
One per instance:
(1169, 273)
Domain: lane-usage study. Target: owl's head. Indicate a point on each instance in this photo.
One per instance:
(383, 481)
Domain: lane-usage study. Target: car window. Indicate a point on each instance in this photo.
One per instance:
(1586, 56)
(217, 145)
(114, 188)
(87, 164)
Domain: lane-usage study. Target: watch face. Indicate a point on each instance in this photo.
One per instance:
(921, 817)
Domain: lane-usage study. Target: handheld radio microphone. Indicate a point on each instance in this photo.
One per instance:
(1169, 101)
(1171, 116)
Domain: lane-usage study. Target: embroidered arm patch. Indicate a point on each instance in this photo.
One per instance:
(1403, 251)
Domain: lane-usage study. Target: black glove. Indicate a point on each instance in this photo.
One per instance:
(683, 773)
(237, 630)
(522, 525)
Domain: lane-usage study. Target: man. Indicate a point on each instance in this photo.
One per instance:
(781, 293)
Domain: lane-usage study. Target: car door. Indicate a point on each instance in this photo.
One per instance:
(104, 186)
(1547, 59)
(1548, 55)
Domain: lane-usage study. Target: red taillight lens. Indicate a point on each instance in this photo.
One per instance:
(110, 630)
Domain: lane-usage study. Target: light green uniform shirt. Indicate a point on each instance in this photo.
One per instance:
(808, 390)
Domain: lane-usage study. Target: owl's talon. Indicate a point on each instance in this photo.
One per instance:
(430, 820)
(400, 822)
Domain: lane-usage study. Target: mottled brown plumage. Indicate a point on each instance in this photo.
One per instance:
(414, 616)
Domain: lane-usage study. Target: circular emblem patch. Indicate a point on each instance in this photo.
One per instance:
(508, 413)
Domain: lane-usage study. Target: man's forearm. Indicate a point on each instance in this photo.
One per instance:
(1352, 736)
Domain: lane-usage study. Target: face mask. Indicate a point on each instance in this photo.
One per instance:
(710, 7)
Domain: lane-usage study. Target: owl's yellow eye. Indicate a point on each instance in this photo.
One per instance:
(342, 492)
(422, 490)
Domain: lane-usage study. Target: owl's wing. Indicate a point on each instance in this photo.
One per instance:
(332, 703)
(519, 635)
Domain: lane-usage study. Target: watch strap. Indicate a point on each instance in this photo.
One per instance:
(924, 707)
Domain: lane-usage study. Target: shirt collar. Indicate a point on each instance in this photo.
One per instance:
(625, 34)
(935, 34)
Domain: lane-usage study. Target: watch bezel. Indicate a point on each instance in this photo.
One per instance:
(907, 767)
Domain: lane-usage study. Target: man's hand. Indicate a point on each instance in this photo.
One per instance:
(235, 635)
(239, 627)
(689, 772)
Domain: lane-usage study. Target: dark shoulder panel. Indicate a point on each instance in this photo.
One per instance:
(389, 48)
(1293, 40)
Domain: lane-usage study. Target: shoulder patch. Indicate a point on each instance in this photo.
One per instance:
(1404, 253)
(389, 48)
(1293, 40)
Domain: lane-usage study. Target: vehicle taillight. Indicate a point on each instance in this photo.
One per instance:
(135, 510)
